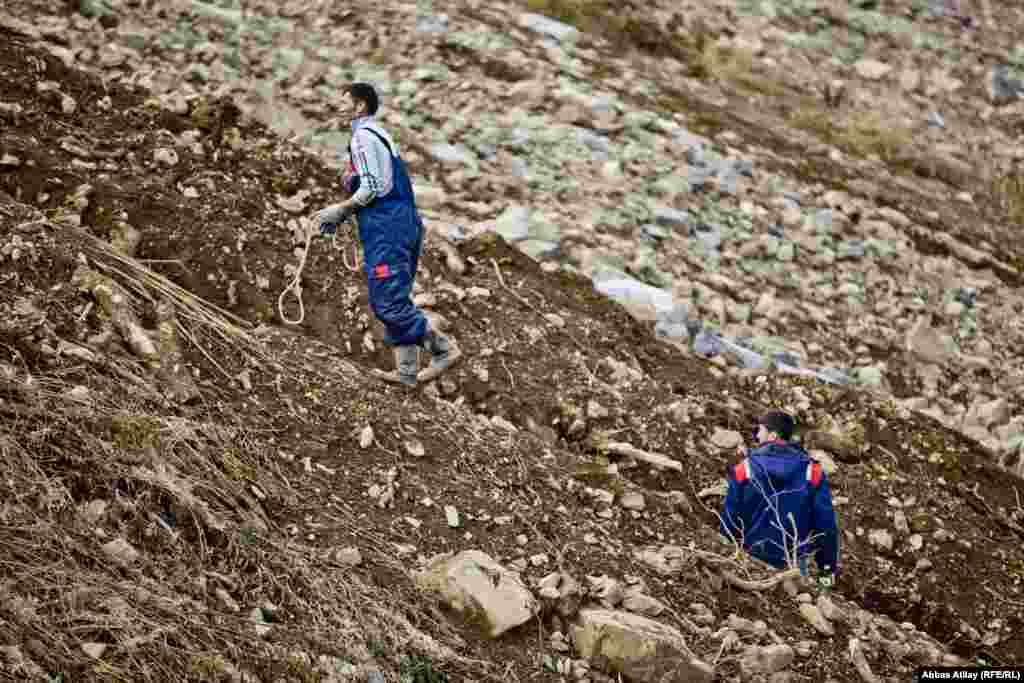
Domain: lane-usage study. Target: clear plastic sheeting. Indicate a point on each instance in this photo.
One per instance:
(746, 357)
(709, 343)
(677, 323)
(626, 290)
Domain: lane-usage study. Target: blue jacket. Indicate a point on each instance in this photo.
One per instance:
(776, 480)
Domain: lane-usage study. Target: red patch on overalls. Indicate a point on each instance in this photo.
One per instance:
(741, 471)
(381, 271)
(815, 473)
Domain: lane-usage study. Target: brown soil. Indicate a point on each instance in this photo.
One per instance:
(314, 397)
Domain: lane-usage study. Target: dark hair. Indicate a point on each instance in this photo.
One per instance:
(365, 93)
(779, 422)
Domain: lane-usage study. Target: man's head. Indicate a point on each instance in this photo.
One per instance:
(362, 100)
(775, 424)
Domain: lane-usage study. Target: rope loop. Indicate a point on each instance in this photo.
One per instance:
(295, 286)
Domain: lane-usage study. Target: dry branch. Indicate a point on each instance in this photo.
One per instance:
(763, 585)
(656, 459)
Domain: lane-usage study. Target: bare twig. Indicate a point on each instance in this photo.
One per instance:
(1002, 598)
(656, 459)
(511, 377)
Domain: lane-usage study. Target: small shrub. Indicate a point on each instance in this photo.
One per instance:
(814, 120)
(735, 66)
(135, 431)
(375, 648)
(235, 467)
(1009, 192)
(299, 666)
(870, 133)
(419, 669)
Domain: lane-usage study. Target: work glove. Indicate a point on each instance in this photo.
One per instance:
(827, 579)
(352, 183)
(335, 213)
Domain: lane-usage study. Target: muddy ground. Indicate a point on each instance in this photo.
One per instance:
(539, 348)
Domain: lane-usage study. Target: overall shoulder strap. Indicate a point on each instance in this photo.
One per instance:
(379, 137)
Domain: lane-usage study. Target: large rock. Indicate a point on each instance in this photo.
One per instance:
(121, 551)
(813, 616)
(1002, 87)
(452, 154)
(766, 660)
(514, 223)
(481, 590)
(677, 323)
(926, 343)
(639, 648)
(430, 196)
(668, 217)
(988, 414)
(872, 69)
(844, 440)
(726, 439)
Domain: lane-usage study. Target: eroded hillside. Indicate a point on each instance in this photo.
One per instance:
(199, 492)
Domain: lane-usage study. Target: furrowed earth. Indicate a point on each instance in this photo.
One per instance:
(195, 490)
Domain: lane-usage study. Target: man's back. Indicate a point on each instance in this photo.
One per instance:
(371, 150)
(779, 506)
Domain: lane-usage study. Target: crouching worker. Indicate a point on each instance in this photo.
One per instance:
(391, 233)
(779, 504)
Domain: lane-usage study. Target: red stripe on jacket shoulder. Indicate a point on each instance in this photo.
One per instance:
(741, 471)
(816, 473)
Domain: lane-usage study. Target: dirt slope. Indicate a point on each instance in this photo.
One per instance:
(154, 524)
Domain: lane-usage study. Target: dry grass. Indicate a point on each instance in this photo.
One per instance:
(858, 133)
(869, 132)
(695, 47)
(191, 495)
(158, 616)
(736, 66)
(195, 317)
(620, 26)
(1009, 192)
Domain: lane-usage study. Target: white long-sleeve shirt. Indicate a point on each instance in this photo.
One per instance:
(372, 160)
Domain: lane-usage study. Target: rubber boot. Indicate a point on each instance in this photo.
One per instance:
(407, 362)
(443, 354)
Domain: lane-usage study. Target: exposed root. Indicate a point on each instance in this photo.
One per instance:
(116, 302)
(759, 586)
(860, 662)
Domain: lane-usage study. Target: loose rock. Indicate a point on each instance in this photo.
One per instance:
(484, 592)
(766, 660)
(641, 649)
(813, 616)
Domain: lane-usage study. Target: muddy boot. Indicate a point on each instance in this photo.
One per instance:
(443, 354)
(407, 362)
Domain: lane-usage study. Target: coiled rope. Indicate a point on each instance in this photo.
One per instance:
(295, 285)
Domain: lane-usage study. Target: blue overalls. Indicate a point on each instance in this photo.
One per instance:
(391, 233)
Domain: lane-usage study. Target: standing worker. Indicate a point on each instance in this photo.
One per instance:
(391, 232)
(779, 505)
